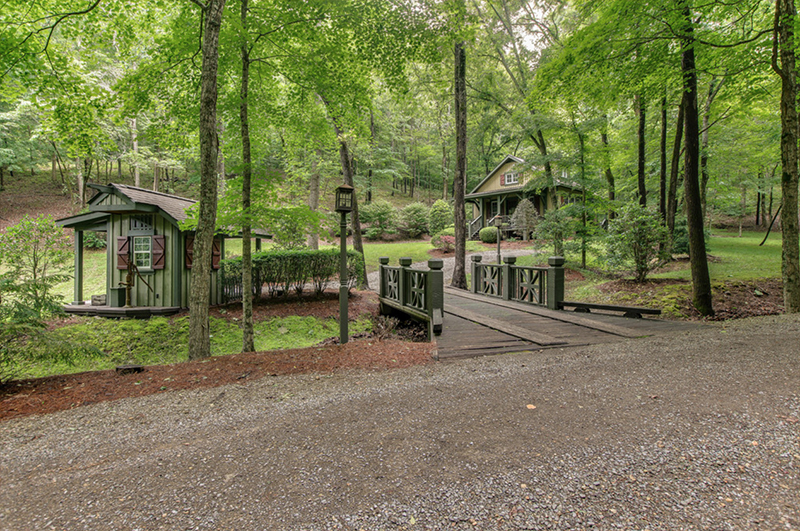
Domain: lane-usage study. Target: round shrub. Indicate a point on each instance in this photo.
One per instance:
(440, 216)
(445, 240)
(488, 235)
(414, 220)
(381, 216)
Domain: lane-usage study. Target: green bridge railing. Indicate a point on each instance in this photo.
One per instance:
(418, 293)
(543, 286)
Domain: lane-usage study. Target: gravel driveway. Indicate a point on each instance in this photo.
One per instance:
(692, 431)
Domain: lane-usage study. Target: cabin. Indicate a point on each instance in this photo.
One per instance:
(144, 240)
(499, 193)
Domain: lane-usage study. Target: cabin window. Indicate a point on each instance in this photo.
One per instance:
(143, 252)
(512, 178)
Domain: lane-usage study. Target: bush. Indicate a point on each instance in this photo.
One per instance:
(283, 271)
(557, 226)
(414, 220)
(488, 234)
(94, 240)
(634, 237)
(445, 240)
(525, 218)
(439, 217)
(382, 218)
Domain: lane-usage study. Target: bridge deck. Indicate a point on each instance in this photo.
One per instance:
(477, 325)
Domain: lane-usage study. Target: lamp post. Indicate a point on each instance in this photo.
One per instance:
(344, 204)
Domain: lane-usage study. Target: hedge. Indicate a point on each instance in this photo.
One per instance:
(287, 270)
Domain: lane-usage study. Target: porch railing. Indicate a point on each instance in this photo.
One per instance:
(543, 286)
(474, 227)
(418, 293)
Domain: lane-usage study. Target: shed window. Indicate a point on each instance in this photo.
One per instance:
(141, 223)
(143, 252)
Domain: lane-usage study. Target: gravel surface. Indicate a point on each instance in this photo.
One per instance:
(692, 431)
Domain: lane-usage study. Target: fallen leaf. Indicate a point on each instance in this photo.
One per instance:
(531, 406)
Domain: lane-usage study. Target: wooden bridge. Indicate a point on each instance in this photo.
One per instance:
(509, 308)
(476, 325)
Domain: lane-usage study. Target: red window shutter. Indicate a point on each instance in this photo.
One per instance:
(159, 246)
(216, 253)
(123, 249)
(189, 255)
(502, 179)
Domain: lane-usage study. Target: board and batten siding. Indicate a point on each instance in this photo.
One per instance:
(493, 184)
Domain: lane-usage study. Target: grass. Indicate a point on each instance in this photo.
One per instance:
(160, 340)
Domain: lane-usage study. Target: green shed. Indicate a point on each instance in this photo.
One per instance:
(142, 226)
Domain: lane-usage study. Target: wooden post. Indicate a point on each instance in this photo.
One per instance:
(384, 261)
(405, 265)
(435, 296)
(555, 282)
(78, 292)
(477, 272)
(509, 289)
(343, 295)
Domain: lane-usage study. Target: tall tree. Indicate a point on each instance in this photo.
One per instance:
(199, 297)
(784, 47)
(248, 341)
(460, 177)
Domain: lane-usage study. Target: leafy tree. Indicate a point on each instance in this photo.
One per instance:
(634, 238)
(440, 216)
(557, 226)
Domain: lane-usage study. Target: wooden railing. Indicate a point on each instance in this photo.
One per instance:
(543, 286)
(416, 292)
(474, 227)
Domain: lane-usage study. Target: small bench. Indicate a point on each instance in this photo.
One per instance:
(635, 312)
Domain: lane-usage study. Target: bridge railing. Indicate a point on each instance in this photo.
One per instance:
(418, 293)
(543, 286)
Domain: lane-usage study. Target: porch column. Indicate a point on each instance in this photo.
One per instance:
(78, 291)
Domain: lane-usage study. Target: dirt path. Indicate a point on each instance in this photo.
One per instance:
(688, 431)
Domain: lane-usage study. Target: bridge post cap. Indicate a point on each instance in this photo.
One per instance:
(510, 260)
(436, 264)
(556, 261)
(476, 257)
(384, 260)
(405, 261)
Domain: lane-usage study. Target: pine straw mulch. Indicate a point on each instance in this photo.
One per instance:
(366, 352)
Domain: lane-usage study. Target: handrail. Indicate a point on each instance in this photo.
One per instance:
(418, 293)
(543, 286)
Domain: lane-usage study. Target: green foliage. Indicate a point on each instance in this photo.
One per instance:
(557, 226)
(381, 216)
(291, 270)
(525, 218)
(37, 255)
(633, 240)
(488, 234)
(440, 216)
(445, 240)
(94, 240)
(414, 220)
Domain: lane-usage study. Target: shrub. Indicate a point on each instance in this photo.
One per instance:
(283, 271)
(414, 220)
(94, 240)
(634, 237)
(445, 240)
(525, 218)
(440, 216)
(488, 234)
(382, 218)
(557, 225)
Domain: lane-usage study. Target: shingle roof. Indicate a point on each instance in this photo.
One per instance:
(171, 204)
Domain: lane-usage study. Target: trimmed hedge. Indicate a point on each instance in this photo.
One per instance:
(287, 270)
(488, 234)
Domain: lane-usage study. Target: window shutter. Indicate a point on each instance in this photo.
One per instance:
(123, 248)
(159, 246)
(216, 252)
(189, 255)
(502, 179)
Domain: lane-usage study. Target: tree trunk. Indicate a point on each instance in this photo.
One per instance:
(701, 281)
(662, 174)
(444, 172)
(199, 340)
(347, 170)
(80, 182)
(640, 174)
(612, 190)
(248, 341)
(155, 176)
(313, 197)
(785, 15)
(460, 178)
(137, 180)
(713, 89)
(672, 193)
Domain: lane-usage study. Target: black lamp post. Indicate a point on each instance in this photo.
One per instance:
(498, 222)
(344, 204)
